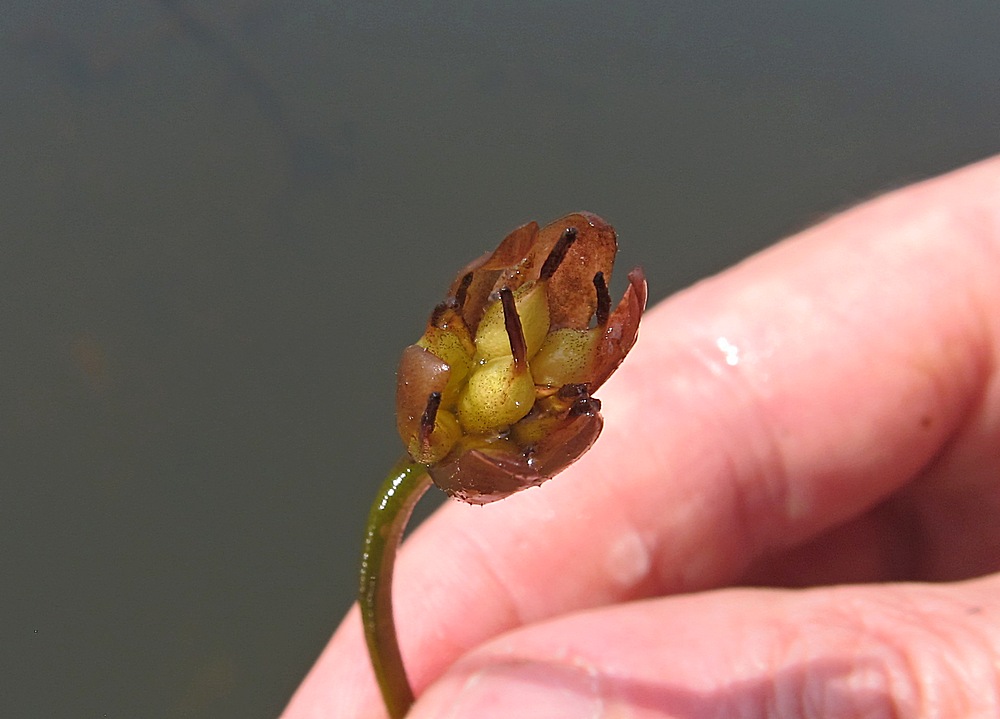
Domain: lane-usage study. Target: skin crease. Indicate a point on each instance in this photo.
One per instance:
(825, 414)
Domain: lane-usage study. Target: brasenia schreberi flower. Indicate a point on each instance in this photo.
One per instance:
(497, 395)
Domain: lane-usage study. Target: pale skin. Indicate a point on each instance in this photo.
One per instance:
(825, 414)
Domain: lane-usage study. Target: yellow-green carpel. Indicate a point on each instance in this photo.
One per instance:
(530, 307)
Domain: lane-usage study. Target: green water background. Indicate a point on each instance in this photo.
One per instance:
(221, 221)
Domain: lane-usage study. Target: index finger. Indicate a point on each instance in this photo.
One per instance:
(759, 409)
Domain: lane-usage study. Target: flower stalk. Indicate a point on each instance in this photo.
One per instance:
(391, 510)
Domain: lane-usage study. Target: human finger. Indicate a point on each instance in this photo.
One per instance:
(851, 651)
(759, 410)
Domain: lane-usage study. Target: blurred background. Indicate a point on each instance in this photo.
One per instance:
(221, 221)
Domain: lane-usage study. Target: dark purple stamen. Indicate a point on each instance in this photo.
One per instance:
(463, 289)
(603, 299)
(558, 253)
(428, 418)
(515, 333)
(449, 304)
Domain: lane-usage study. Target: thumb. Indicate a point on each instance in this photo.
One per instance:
(909, 650)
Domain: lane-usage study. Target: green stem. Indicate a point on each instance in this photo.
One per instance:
(399, 493)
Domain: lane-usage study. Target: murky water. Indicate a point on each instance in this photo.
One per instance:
(221, 221)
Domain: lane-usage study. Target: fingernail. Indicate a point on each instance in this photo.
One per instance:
(528, 690)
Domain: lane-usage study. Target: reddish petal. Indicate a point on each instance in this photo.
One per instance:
(566, 444)
(483, 476)
(477, 279)
(572, 299)
(419, 374)
(622, 329)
